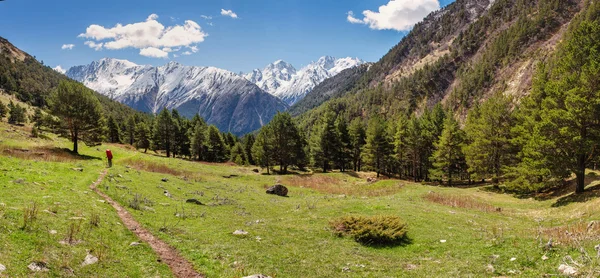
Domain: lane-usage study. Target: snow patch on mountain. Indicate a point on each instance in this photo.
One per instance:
(282, 80)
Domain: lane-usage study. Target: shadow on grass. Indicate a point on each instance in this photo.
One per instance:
(351, 173)
(590, 193)
(47, 154)
(388, 245)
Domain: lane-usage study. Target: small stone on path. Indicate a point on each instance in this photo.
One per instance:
(513, 259)
(164, 180)
(53, 232)
(567, 270)
(443, 241)
(2, 268)
(135, 243)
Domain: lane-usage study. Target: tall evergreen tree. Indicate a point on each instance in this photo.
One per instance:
(262, 149)
(130, 131)
(358, 137)
(198, 140)
(113, 131)
(248, 141)
(414, 143)
(325, 142)
(488, 133)
(16, 114)
(3, 110)
(142, 136)
(378, 148)
(288, 142)
(344, 152)
(79, 112)
(565, 111)
(216, 149)
(401, 145)
(164, 131)
(448, 157)
(238, 154)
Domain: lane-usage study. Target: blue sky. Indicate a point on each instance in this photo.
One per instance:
(297, 31)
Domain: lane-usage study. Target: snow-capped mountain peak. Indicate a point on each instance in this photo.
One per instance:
(282, 80)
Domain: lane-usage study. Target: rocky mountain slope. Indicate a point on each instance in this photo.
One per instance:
(457, 56)
(282, 80)
(222, 98)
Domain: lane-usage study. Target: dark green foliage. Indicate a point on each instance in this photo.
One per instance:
(37, 118)
(378, 149)
(114, 135)
(263, 148)
(374, 230)
(142, 136)
(3, 110)
(79, 112)
(559, 129)
(130, 130)
(248, 142)
(16, 114)
(358, 137)
(344, 152)
(448, 158)
(216, 149)
(198, 140)
(163, 132)
(325, 142)
(288, 142)
(238, 154)
(488, 133)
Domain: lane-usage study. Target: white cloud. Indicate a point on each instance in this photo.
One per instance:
(207, 17)
(186, 53)
(67, 46)
(94, 45)
(151, 37)
(154, 52)
(229, 13)
(59, 69)
(399, 15)
(194, 48)
(353, 19)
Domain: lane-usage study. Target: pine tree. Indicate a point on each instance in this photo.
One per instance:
(16, 114)
(325, 142)
(164, 130)
(248, 141)
(401, 145)
(448, 156)
(3, 110)
(80, 113)
(131, 130)
(288, 142)
(238, 155)
(564, 111)
(262, 150)
(358, 138)
(113, 131)
(344, 152)
(488, 133)
(414, 143)
(37, 118)
(378, 148)
(216, 150)
(198, 140)
(142, 136)
(432, 123)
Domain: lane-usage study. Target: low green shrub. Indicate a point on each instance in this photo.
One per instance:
(373, 230)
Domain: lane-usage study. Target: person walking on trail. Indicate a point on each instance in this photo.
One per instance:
(109, 156)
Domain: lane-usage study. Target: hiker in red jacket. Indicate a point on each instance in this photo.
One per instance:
(109, 156)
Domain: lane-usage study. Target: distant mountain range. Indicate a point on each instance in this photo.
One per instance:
(222, 98)
(282, 80)
(234, 103)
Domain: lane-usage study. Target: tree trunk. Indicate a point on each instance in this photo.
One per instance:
(580, 173)
(75, 137)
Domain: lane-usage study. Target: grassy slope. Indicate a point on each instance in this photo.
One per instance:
(288, 237)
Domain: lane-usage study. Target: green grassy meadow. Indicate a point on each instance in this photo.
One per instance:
(467, 232)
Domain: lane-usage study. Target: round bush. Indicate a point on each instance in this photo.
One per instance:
(373, 230)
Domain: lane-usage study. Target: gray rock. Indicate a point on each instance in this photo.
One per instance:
(257, 276)
(240, 233)
(567, 270)
(194, 201)
(278, 190)
(38, 267)
(168, 194)
(135, 243)
(77, 169)
(89, 259)
(255, 170)
(19, 181)
(2, 268)
(164, 180)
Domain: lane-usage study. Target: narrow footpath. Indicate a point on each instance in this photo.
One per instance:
(179, 266)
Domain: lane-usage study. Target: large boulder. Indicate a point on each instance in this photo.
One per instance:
(278, 189)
